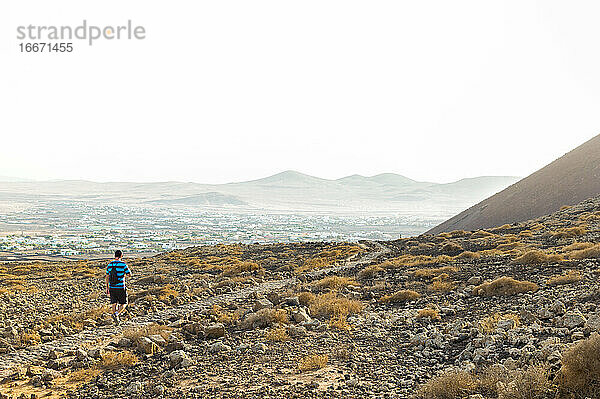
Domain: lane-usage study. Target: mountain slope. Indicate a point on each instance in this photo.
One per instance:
(568, 180)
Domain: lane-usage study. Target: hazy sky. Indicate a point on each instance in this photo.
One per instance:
(231, 90)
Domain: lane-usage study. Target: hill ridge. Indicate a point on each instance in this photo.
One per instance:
(568, 180)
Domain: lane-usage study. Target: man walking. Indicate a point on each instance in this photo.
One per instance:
(115, 285)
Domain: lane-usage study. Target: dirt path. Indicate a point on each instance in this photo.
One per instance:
(95, 336)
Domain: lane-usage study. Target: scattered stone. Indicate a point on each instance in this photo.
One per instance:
(262, 304)
(179, 359)
(158, 340)
(216, 330)
(301, 316)
(145, 345)
(571, 320)
(218, 347)
(134, 387)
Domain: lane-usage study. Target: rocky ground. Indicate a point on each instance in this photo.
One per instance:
(499, 313)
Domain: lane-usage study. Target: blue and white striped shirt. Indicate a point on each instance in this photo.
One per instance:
(122, 269)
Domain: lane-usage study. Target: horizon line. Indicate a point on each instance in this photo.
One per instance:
(18, 179)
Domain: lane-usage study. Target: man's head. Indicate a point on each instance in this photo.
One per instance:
(118, 254)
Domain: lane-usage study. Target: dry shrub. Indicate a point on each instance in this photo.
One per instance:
(369, 272)
(117, 360)
(305, 298)
(329, 257)
(264, 318)
(568, 232)
(533, 383)
(163, 293)
(503, 227)
(29, 337)
(334, 282)
(571, 276)
(482, 234)
(577, 246)
(449, 385)
(233, 282)
(452, 248)
(468, 255)
(441, 283)
(431, 313)
(580, 371)
(591, 216)
(504, 286)
(277, 334)
(509, 246)
(134, 334)
(330, 304)
(536, 256)
(590, 252)
(242, 267)
(488, 324)
(312, 362)
(429, 273)
(525, 234)
(401, 296)
(494, 382)
(224, 316)
(83, 375)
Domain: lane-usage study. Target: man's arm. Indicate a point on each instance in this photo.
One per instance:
(127, 273)
(106, 279)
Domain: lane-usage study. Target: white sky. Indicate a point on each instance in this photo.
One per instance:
(232, 90)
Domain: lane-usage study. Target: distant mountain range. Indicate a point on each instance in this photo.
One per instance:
(569, 180)
(285, 191)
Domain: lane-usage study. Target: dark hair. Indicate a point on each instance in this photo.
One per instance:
(118, 253)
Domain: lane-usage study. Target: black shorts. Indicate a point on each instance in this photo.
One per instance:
(118, 295)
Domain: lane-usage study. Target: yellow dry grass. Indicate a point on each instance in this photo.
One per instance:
(572, 276)
(504, 286)
(430, 273)
(312, 362)
(488, 324)
(334, 282)
(537, 256)
(401, 296)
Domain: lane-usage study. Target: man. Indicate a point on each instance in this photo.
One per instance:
(115, 285)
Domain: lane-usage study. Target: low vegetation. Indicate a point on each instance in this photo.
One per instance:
(117, 360)
(571, 276)
(531, 383)
(312, 362)
(537, 256)
(277, 334)
(489, 324)
(585, 253)
(504, 286)
(401, 296)
(580, 371)
(334, 283)
(265, 318)
(430, 273)
(429, 312)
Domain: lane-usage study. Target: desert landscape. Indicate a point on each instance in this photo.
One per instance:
(506, 312)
